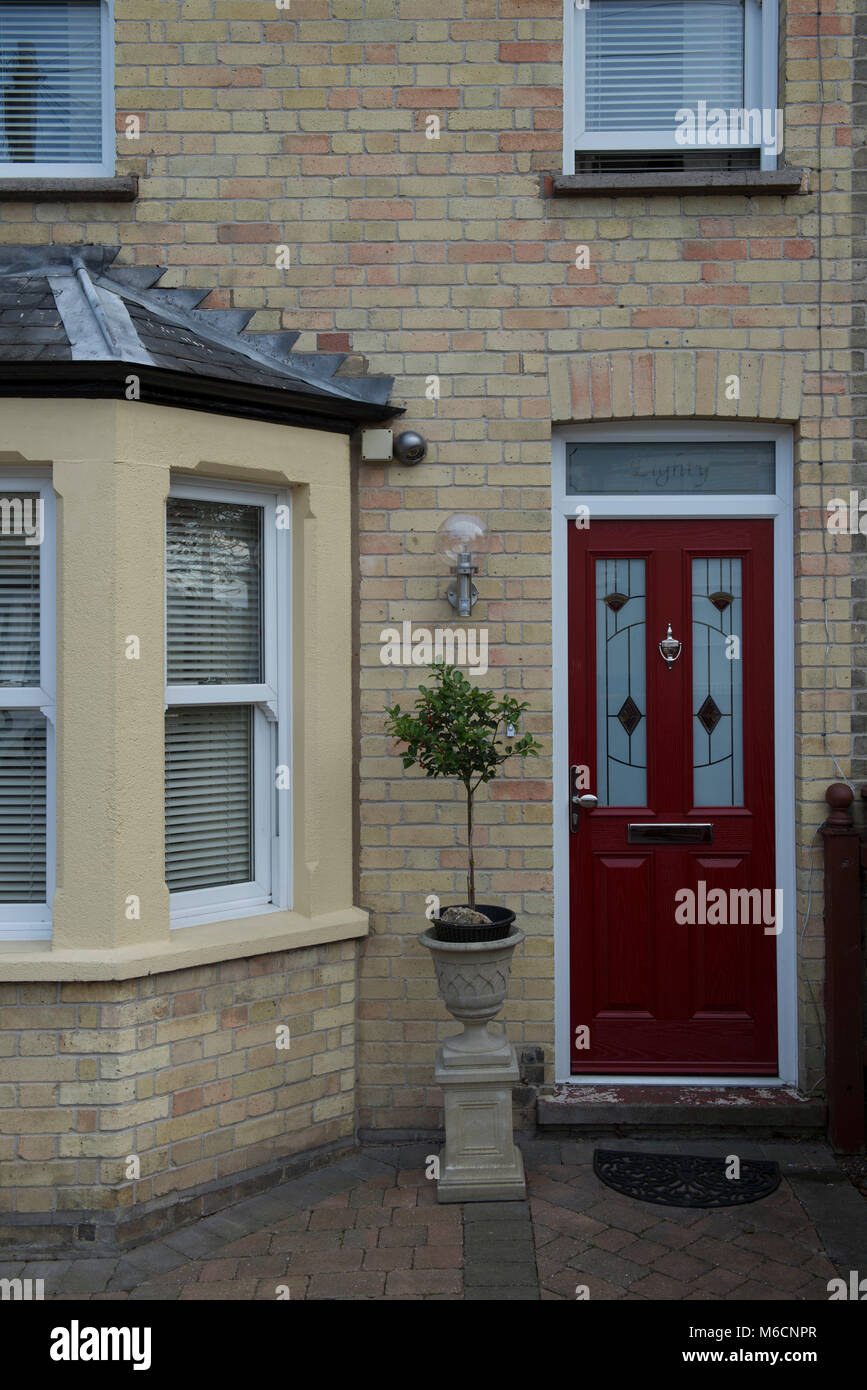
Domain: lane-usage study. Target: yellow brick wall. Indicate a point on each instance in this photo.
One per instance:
(447, 257)
(193, 1073)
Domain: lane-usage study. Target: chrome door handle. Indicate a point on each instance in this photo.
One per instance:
(578, 801)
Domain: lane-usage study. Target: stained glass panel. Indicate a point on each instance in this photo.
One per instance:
(621, 686)
(717, 683)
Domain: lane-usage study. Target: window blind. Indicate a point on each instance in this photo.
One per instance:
(50, 82)
(209, 796)
(19, 598)
(23, 771)
(214, 597)
(646, 59)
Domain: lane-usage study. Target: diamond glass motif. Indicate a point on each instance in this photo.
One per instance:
(629, 715)
(709, 715)
(616, 601)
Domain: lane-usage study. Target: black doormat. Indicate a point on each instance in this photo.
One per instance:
(682, 1180)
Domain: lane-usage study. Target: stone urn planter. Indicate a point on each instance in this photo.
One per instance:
(477, 1070)
(473, 981)
(464, 732)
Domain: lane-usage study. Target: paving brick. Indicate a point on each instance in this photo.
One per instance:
(502, 1294)
(718, 1281)
(681, 1265)
(563, 1250)
(362, 1284)
(668, 1234)
(614, 1268)
(323, 1262)
(228, 1290)
(194, 1241)
(387, 1260)
(424, 1281)
(328, 1219)
(783, 1277)
(566, 1222)
(656, 1285)
(256, 1243)
(626, 1218)
(488, 1212)
(506, 1251)
(437, 1257)
(614, 1239)
(401, 1236)
(217, 1269)
(87, 1276)
(497, 1273)
(155, 1292)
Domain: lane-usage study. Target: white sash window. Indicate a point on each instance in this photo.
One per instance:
(56, 88)
(27, 704)
(227, 700)
(632, 67)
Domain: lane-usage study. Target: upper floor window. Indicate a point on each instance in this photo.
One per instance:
(56, 88)
(27, 702)
(670, 84)
(227, 742)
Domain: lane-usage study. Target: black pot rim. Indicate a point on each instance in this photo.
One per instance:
(498, 929)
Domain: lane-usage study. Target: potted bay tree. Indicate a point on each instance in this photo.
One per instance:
(462, 732)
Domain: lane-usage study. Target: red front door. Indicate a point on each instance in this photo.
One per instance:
(674, 918)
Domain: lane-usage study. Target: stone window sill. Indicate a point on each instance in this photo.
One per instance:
(749, 181)
(122, 189)
(187, 947)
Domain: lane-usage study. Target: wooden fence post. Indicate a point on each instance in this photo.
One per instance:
(843, 973)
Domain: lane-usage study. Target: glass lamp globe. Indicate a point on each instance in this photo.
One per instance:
(462, 534)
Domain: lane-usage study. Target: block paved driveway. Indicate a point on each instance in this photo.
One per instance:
(369, 1227)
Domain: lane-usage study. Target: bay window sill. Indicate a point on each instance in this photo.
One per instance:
(208, 944)
(122, 188)
(749, 181)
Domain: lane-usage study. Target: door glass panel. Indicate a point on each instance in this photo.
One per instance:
(621, 687)
(717, 683)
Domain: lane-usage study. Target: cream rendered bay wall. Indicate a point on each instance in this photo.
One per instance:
(120, 1036)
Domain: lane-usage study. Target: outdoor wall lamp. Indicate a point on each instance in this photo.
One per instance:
(460, 537)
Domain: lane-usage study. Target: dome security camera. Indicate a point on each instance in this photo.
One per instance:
(409, 447)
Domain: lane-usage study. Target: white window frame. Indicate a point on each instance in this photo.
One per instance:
(270, 888)
(760, 87)
(32, 921)
(106, 166)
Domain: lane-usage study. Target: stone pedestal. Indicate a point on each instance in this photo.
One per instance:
(480, 1162)
(477, 1070)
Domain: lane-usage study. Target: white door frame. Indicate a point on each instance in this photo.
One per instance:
(777, 507)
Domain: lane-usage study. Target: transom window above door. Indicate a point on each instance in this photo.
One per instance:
(656, 468)
(634, 70)
(56, 88)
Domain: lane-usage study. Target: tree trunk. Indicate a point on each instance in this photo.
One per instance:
(471, 863)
